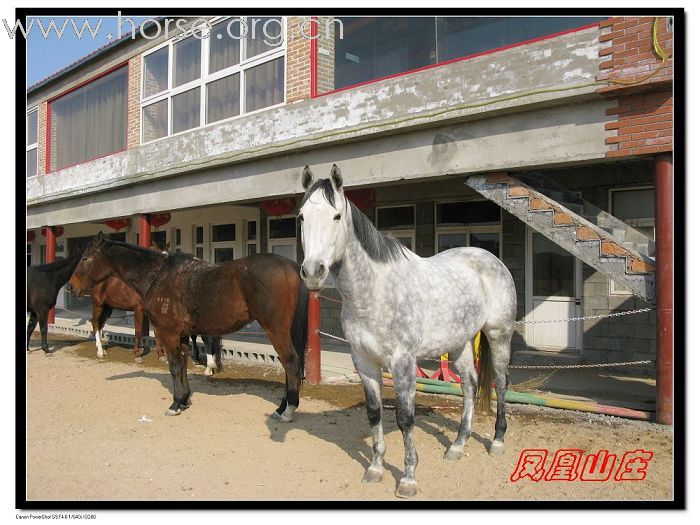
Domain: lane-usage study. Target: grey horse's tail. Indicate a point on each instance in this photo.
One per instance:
(300, 327)
(485, 388)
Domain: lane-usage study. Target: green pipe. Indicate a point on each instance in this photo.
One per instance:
(532, 399)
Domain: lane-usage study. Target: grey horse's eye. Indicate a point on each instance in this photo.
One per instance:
(337, 217)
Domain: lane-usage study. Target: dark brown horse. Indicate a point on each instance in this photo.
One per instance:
(43, 285)
(184, 296)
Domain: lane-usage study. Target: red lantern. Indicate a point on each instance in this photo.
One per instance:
(118, 224)
(30, 236)
(279, 206)
(57, 231)
(363, 199)
(159, 219)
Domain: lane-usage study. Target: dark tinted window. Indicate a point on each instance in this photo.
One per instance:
(283, 228)
(223, 232)
(400, 218)
(461, 213)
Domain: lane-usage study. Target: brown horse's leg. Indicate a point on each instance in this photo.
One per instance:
(140, 324)
(33, 320)
(172, 345)
(184, 354)
(100, 314)
(44, 328)
(292, 367)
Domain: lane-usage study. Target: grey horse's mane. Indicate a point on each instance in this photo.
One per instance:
(379, 247)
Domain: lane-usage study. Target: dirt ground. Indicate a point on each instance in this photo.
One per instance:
(96, 430)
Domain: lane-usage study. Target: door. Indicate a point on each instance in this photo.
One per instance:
(553, 286)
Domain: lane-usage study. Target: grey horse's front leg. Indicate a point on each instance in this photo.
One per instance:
(371, 376)
(403, 369)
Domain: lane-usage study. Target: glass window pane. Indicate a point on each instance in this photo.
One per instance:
(187, 56)
(224, 49)
(223, 255)
(462, 36)
(252, 249)
(155, 121)
(155, 72)
(199, 252)
(264, 85)
(285, 250)
(89, 122)
(447, 241)
(199, 234)
(31, 162)
(223, 98)
(374, 47)
(158, 240)
(552, 269)
(186, 110)
(223, 232)
(283, 228)
(32, 126)
(487, 241)
(461, 213)
(633, 204)
(252, 230)
(264, 34)
(402, 218)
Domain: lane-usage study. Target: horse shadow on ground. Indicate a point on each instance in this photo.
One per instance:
(346, 426)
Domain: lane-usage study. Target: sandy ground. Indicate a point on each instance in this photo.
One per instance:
(96, 430)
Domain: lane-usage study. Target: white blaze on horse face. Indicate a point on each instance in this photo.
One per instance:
(323, 235)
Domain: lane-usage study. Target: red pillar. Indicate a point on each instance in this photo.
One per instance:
(313, 354)
(145, 230)
(51, 257)
(314, 57)
(664, 288)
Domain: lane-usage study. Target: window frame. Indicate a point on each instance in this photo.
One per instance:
(35, 145)
(206, 78)
(468, 229)
(398, 232)
(612, 289)
(283, 241)
(47, 135)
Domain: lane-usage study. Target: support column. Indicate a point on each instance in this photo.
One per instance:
(145, 230)
(51, 257)
(313, 354)
(664, 288)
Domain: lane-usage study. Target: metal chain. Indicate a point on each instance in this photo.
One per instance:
(594, 365)
(586, 317)
(331, 299)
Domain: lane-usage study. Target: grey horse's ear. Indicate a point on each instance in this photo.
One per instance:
(307, 178)
(336, 177)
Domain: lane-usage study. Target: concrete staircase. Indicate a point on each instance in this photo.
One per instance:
(589, 233)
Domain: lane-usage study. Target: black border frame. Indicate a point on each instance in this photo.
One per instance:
(680, 370)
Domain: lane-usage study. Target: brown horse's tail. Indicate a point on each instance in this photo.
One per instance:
(485, 378)
(300, 327)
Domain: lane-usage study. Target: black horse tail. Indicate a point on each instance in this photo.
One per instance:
(300, 326)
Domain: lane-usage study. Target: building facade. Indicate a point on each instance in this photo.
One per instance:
(537, 138)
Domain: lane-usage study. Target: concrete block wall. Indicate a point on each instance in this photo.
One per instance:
(513, 232)
(133, 103)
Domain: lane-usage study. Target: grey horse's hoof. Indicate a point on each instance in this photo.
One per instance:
(208, 372)
(172, 412)
(281, 417)
(372, 476)
(497, 448)
(406, 489)
(454, 454)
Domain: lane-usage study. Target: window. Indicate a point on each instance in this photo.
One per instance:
(353, 50)
(223, 237)
(634, 207)
(282, 234)
(474, 223)
(398, 222)
(88, 122)
(195, 81)
(178, 240)
(198, 244)
(32, 139)
(251, 237)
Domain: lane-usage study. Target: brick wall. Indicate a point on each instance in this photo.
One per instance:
(133, 111)
(298, 62)
(641, 84)
(325, 76)
(41, 138)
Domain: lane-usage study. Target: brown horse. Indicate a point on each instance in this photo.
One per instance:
(184, 296)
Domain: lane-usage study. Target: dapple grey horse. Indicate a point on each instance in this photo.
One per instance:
(399, 307)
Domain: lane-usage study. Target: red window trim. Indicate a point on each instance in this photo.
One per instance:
(314, 58)
(47, 138)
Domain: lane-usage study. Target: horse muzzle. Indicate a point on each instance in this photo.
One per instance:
(314, 275)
